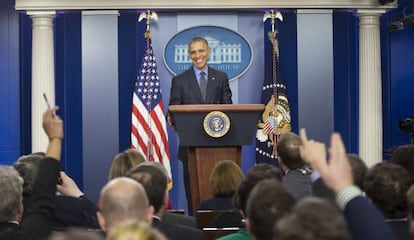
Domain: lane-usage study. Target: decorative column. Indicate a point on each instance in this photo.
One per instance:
(370, 97)
(43, 73)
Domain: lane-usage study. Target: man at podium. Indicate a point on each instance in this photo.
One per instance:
(200, 84)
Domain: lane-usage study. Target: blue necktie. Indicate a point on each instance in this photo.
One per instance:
(203, 84)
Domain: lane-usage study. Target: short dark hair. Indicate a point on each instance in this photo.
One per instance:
(312, 218)
(359, 169)
(154, 182)
(404, 156)
(269, 201)
(258, 173)
(197, 39)
(288, 150)
(386, 184)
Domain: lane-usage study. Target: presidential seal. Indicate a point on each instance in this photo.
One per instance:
(216, 124)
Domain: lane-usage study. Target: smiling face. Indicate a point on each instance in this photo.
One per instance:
(199, 53)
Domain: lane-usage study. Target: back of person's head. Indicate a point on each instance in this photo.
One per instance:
(154, 181)
(76, 234)
(404, 156)
(386, 184)
(225, 178)
(123, 199)
(11, 189)
(28, 166)
(288, 150)
(269, 201)
(125, 161)
(258, 173)
(264, 170)
(359, 169)
(132, 230)
(312, 218)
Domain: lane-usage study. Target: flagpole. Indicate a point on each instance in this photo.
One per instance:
(272, 15)
(148, 15)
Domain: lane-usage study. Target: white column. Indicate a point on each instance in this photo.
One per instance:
(43, 73)
(370, 97)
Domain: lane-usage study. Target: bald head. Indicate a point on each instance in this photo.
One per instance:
(123, 199)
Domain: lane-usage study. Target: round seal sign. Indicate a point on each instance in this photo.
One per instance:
(216, 124)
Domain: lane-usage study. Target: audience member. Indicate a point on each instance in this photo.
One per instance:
(72, 207)
(269, 201)
(312, 218)
(359, 170)
(133, 230)
(123, 199)
(386, 184)
(256, 174)
(37, 223)
(77, 234)
(364, 220)
(224, 181)
(155, 181)
(404, 156)
(296, 177)
(124, 161)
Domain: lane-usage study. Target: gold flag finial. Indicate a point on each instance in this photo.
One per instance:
(272, 35)
(149, 15)
(272, 15)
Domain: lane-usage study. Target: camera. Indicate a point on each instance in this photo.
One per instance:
(407, 125)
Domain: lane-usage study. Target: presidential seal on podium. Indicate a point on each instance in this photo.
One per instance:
(216, 124)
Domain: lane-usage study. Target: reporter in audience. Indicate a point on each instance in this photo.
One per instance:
(364, 220)
(224, 181)
(37, 222)
(72, 207)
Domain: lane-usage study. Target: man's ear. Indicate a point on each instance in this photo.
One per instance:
(248, 227)
(150, 213)
(20, 211)
(101, 221)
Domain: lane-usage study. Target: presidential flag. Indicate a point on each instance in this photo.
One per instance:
(275, 119)
(149, 128)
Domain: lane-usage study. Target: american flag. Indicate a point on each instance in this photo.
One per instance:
(149, 128)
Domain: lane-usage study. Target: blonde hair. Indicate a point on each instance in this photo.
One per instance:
(225, 178)
(133, 230)
(125, 161)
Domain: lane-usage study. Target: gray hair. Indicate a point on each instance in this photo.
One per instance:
(11, 189)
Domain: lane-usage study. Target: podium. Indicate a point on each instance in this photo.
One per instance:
(205, 151)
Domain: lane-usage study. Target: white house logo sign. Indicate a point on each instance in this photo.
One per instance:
(231, 52)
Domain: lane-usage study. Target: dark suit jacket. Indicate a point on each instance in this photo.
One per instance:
(75, 212)
(298, 183)
(365, 221)
(176, 231)
(216, 204)
(185, 88)
(37, 223)
(184, 220)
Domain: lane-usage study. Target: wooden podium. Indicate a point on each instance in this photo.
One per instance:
(205, 151)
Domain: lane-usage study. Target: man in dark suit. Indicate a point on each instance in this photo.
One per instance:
(37, 223)
(297, 175)
(200, 84)
(364, 220)
(154, 181)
